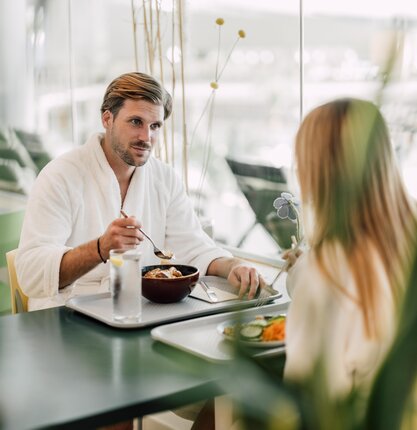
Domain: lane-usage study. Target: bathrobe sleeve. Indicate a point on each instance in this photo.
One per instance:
(47, 226)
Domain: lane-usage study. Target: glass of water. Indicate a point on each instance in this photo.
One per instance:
(126, 285)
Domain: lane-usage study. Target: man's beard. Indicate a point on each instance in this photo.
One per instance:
(125, 155)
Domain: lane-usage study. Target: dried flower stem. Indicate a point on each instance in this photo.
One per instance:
(135, 48)
(148, 37)
(173, 84)
(218, 53)
(184, 124)
(228, 58)
(201, 117)
(207, 147)
(161, 69)
(297, 220)
(151, 25)
(210, 105)
(159, 41)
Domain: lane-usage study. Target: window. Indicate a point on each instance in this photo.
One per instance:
(65, 53)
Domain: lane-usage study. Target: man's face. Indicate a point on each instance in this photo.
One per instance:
(134, 131)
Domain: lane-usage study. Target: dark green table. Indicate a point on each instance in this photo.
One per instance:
(61, 369)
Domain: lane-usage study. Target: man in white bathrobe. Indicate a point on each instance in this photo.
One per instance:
(73, 214)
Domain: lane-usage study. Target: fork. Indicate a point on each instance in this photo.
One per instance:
(262, 299)
(210, 293)
(268, 288)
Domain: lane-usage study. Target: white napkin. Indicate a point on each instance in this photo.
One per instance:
(224, 291)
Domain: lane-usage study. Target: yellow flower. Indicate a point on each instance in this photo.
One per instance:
(219, 21)
(241, 34)
(214, 85)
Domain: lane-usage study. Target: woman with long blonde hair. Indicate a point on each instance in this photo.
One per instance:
(360, 228)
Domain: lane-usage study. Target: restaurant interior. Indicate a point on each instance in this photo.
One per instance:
(243, 75)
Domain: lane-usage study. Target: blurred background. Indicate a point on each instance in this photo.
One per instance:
(57, 57)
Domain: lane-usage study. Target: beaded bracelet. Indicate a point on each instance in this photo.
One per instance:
(99, 253)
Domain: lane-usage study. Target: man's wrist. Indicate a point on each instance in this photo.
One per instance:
(99, 251)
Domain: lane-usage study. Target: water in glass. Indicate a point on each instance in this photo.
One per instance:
(126, 285)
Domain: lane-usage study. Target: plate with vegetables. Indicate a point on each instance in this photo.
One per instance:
(262, 331)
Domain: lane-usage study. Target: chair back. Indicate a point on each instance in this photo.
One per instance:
(261, 185)
(19, 300)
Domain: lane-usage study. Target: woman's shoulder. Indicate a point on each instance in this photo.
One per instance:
(330, 272)
(314, 273)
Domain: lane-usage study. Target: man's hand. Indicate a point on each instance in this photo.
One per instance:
(244, 278)
(122, 233)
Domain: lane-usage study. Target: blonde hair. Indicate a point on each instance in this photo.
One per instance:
(349, 178)
(136, 86)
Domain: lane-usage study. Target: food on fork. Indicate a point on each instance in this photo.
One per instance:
(172, 272)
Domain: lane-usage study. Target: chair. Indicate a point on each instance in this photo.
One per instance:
(261, 185)
(19, 300)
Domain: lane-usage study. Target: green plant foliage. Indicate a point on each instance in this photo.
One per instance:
(394, 384)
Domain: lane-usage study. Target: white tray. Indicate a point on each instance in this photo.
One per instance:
(99, 306)
(200, 336)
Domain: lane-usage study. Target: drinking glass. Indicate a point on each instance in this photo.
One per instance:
(126, 285)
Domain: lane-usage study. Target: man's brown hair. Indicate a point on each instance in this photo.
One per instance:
(135, 86)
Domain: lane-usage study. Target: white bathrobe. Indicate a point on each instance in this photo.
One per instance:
(322, 321)
(76, 197)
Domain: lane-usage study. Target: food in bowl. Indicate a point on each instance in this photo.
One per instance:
(168, 289)
(172, 272)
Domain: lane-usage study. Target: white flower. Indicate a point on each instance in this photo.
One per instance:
(286, 207)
